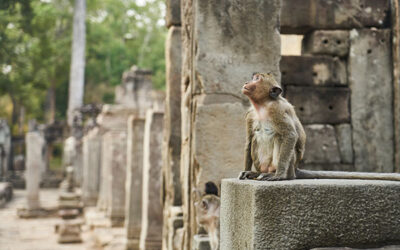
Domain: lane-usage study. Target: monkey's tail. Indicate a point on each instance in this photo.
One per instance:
(309, 174)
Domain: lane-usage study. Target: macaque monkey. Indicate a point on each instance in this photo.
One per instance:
(207, 213)
(276, 139)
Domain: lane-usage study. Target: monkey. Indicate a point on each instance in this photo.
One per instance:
(207, 213)
(275, 138)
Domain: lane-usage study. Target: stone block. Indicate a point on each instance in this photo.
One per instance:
(35, 162)
(321, 144)
(135, 89)
(91, 167)
(327, 42)
(313, 70)
(303, 16)
(152, 212)
(173, 13)
(114, 117)
(370, 80)
(218, 142)
(134, 177)
(304, 214)
(320, 105)
(345, 142)
(172, 118)
(223, 58)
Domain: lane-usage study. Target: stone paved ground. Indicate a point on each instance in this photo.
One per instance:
(34, 234)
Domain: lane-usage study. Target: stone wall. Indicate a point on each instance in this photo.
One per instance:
(341, 85)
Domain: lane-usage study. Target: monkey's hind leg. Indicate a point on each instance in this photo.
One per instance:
(248, 175)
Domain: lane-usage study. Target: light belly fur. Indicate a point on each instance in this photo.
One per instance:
(267, 145)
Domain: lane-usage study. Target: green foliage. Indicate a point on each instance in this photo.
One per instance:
(35, 49)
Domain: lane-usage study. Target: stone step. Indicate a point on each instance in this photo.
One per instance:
(304, 214)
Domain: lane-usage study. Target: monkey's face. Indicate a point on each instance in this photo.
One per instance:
(262, 87)
(207, 209)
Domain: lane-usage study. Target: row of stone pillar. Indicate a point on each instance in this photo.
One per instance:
(122, 162)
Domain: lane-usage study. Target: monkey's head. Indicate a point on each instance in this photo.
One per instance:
(207, 206)
(262, 87)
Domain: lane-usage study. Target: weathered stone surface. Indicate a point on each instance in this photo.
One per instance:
(134, 177)
(173, 13)
(320, 105)
(221, 47)
(218, 142)
(303, 214)
(327, 42)
(35, 144)
(313, 70)
(337, 14)
(152, 212)
(172, 132)
(91, 166)
(172, 122)
(345, 142)
(321, 145)
(114, 159)
(327, 166)
(114, 117)
(135, 89)
(223, 58)
(370, 80)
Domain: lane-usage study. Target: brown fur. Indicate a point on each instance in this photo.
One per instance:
(207, 216)
(276, 139)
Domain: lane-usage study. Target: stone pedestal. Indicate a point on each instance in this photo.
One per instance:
(152, 213)
(134, 177)
(91, 167)
(34, 163)
(304, 214)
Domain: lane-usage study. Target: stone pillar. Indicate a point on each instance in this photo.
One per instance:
(221, 50)
(370, 80)
(91, 166)
(152, 212)
(114, 160)
(112, 118)
(34, 163)
(172, 132)
(5, 147)
(134, 177)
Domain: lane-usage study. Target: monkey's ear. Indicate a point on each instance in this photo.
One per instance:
(275, 92)
(211, 188)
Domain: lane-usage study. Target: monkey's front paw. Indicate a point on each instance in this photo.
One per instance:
(264, 176)
(247, 175)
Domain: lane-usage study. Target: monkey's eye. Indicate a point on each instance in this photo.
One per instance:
(204, 204)
(256, 78)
